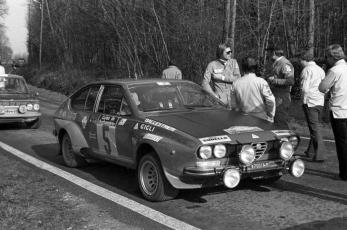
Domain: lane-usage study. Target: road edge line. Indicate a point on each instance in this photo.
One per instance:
(134, 206)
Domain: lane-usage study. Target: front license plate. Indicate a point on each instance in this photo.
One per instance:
(10, 111)
(260, 165)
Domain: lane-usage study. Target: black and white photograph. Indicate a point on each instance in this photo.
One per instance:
(173, 114)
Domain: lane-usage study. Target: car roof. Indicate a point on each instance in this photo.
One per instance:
(132, 81)
(11, 76)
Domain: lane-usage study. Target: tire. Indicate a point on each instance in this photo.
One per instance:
(152, 182)
(268, 180)
(34, 124)
(71, 159)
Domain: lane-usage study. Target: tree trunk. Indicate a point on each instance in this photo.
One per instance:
(227, 21)
(311, 27)
(233, 26)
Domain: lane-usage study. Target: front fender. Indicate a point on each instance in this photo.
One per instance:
(76, 135)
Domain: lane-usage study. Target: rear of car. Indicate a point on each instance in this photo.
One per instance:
(17, 104)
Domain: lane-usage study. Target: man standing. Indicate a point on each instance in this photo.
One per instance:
(336, 82)
(281, 82)
(220, 75)
(313, 102)
(253, 94)
(172, 72)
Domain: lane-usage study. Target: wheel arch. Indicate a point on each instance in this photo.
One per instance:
(144, 149)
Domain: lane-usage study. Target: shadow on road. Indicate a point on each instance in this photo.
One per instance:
(332, 224)
(123, 179)
(314, 192)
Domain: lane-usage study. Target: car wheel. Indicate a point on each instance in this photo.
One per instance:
(152, 182)
(34, 124)
(71, 159)
(268, 180)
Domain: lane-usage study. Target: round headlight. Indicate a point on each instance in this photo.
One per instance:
(205, 152)
(29, 106)
(231, 178)
(297, 168)
(36, 107)
(247, 155)
(286, 150)
(219, 151)
(22, 109)
(294, 141)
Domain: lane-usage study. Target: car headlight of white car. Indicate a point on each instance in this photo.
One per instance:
(205, 152)
(247, 155)
(22, 109)
(286, 150)
(297, 168)
(219, 151)
(36, 107)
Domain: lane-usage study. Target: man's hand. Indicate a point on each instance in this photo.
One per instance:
(271, 79)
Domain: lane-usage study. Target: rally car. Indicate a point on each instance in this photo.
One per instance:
(17, 104)
(174, 134)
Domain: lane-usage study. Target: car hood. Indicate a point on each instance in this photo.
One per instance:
(23, 96)
(211, 123)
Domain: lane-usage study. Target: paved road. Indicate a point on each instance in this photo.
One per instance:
(316, 201)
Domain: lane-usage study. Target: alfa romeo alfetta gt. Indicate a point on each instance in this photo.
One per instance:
(174, 134)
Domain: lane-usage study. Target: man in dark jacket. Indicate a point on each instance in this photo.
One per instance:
(281, 82)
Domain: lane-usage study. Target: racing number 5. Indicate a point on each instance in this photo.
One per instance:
(107, 139)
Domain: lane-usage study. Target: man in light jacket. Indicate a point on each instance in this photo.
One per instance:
(336, 83)
(253, 94)
(313, 103)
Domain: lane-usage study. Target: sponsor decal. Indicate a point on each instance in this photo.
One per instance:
(254, 136)
(163, 83)
(214, 139)
(147, 127)
(136, 126)
(122, 121)
(242, 129)
(108, 120)
(281, 132)
(84, 122)
(152, 137)
(287, 68)
(159, 124)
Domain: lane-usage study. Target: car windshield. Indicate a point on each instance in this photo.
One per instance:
(163, 96)
(12, 85)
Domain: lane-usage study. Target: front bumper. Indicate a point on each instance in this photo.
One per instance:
(19, 118)
(245, 171)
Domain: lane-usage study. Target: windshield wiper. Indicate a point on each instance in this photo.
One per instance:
(197, 106)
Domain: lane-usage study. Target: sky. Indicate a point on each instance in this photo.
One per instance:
(15, 23)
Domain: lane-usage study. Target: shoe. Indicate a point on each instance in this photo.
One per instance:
(318, 161)
(343, 178)
(315, 160)
(307, 154)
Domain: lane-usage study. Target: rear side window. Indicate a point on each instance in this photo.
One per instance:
(84, 100)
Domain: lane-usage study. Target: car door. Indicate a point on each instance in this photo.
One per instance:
(83, 103)
(109, 122)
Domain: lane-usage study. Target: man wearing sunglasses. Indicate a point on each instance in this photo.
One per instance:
(220, 75)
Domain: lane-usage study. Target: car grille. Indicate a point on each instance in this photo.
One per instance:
(259, 149)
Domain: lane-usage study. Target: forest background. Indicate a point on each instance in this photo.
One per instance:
(73, 42)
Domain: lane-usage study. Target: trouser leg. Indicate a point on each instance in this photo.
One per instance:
(315, 131)
(310, 144)
(281, 118)
(339, 127)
